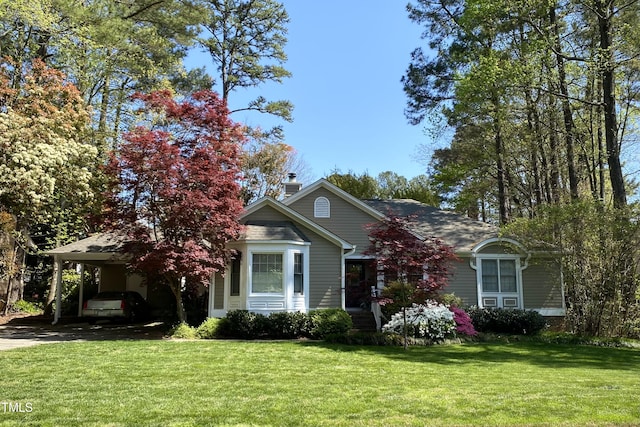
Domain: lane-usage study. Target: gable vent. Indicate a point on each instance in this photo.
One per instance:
(322, 208)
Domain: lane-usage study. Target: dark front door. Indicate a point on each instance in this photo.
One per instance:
(358, 282)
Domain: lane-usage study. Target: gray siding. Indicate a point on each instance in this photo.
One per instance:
(463, 282)
(266, 213)
(218, 292)
(542, 284)
(325, 263)
(346, 220)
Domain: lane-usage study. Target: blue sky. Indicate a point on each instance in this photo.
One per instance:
(347, 58)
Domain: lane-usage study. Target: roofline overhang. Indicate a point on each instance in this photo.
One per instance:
(323, 183)
(287, 211)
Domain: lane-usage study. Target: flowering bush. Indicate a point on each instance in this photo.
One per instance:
(430, 320)
(464, 325)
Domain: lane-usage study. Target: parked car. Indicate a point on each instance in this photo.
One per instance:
(127, 305)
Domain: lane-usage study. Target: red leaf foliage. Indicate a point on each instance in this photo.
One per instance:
(401, 253)
(174, 187)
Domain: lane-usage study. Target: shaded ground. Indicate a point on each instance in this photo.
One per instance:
(23, 331)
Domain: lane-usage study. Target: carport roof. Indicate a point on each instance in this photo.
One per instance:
(99, 247)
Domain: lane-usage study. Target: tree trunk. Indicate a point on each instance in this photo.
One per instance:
(12, 274)
(605, 16)
(175, 286)
(51, 295)
(503, 199)
(566, 108)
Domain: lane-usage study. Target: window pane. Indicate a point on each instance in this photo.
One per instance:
(235, 275)
(266, 274)
(297, 273)
(508, 276)
(490, 275)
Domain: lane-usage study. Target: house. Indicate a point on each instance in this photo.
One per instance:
(307, 252)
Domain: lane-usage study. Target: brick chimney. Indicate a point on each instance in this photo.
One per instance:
(291, 186)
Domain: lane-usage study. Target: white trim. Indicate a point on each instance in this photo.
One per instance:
(296, 217)
(263, 251)
(499, 241)
(499, 295)
(550, 311)
(323, 183)
(265, 303)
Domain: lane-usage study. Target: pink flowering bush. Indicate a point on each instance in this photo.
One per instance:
(464, 326)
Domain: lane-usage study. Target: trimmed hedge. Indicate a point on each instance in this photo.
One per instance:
(317, 324)
(209, 329)
(507, 321)
(329, 321)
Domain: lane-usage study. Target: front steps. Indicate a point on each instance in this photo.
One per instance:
(363, 321)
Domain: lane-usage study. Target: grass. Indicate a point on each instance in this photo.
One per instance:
(198, 383)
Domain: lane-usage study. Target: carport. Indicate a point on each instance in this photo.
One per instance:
(103, 250)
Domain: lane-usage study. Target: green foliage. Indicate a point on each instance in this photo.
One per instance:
(23, 306)
(387, 185)
(246, 44)
(451, 300)
(329, 321)
(507, 321)
(598, 248)
(397, 294)
(183, 331)
(209, 328)
(288, 325)
(242, 324)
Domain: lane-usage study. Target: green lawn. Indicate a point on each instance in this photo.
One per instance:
(178, 383)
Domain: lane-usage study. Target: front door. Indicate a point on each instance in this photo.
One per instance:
(358, 282)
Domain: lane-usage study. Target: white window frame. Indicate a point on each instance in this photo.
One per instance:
(288, 300)
(322, 207)
(283, 262)
(500, 298)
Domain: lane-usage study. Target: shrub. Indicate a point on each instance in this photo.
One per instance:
(464, 325)
(183, 331)
(507, 321)
(431, 321)
(288, 325)
(396, 295)
(451, 300)
(208, 329)
(22, 306)
(243, 324)
(329, 321)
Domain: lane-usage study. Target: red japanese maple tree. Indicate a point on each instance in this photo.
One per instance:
(403, 255)
(174, 189)
(420, 265)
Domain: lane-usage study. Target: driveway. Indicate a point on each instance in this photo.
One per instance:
(33, 330)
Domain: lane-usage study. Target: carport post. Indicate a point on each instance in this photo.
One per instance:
(56, 316)
(81, 290)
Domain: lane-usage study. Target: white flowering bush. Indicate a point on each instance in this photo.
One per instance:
(431, 320)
